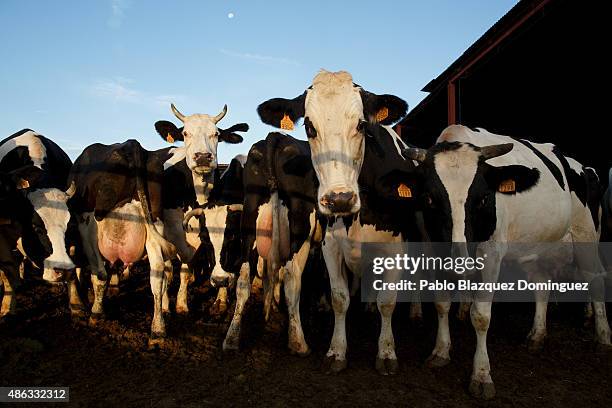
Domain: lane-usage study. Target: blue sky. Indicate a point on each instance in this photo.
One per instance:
(104, 71)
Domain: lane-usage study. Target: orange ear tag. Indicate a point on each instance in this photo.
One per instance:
(404, 191)
(382, 114)
(23, 183)
(169, 138)
(507, 186)
(286, 123)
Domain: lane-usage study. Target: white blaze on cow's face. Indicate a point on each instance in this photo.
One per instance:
(201, 138)
(50, 205)
(456, 170)
(334, 121)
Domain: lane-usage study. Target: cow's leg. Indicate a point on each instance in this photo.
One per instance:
(99, 289)
(181, 297)
(293, 287)
(335, 360)
(77, 308)
(481, 384)
(386, 360)
(88, 229)
(168, 271)
(440, 356)
(157, 278)
(537, 335)
(9, 304)
(243, 286)
(220, 305)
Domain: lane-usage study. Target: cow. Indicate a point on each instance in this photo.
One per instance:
(492, 190)
(35, 172)
(118, 206)
(218, 252)
(279, 226)
(357, 161)
(189, 177)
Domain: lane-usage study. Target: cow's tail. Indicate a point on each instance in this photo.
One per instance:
(274, 255)
(139, 165)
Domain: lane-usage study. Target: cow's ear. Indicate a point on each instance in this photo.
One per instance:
(229, 136)
(512, 179)
(383, 109)
(282, 113)
(26, 177)
(168, 131)
(397, 185)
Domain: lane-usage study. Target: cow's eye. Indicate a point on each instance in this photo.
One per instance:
(185, 134)
(361, 126)
(311, 132)
(429, 201)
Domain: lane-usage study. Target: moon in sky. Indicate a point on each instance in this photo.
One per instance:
(230, 15)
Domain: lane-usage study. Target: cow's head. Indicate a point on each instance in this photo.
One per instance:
(201, 137)
(336, 115)
(458, 189)
(43, 217)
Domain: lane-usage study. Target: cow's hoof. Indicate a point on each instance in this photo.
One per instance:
(95, 318)
(182, 310)
(218, 308)
(230, 345)
(535, 346)
(332, 365)
(603, 348)
(485, 391)
(299, 351)
(386, 366)
(156, 340)
(436, 361)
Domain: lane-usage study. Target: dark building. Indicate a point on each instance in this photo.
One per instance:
(540, 73)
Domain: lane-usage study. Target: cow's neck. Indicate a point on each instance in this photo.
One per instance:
(203, 186)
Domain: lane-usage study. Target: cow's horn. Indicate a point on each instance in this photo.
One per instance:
(176, 112)
(71, 190)
(489, 152)
(193, 213)
(220, 116)
(414, 153)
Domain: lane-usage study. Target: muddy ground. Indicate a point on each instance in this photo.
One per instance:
(110, 364)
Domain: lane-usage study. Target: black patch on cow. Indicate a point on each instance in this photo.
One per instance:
(586, 186)
(166, 128)
(372, 104)
(272, 111)
(555, 171)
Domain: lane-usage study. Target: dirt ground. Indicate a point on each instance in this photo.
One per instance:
(110, 364)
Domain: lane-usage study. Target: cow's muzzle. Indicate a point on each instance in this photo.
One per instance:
(339, 202)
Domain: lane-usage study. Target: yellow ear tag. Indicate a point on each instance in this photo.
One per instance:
(404, 191)
(169, 138)
(382, 114)
(507, 186)
(23, 183)
(286, 123)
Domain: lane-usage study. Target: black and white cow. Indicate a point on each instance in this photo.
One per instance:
(357, 158)
(118, 205)
(492, 190)
(218, 253)
(38, 168)
(279, 225)
(190, 173)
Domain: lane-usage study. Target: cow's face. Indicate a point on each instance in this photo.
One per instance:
(458, 190)
(336, 114)
(50, 220)
(201, 137)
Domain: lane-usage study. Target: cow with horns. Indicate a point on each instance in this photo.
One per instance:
(34, 212)
(493, 191)
(190, 176)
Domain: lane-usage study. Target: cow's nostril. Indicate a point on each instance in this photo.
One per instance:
(339, 202)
